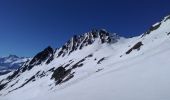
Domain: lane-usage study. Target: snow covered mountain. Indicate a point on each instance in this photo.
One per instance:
(97, 65)
(11, 63)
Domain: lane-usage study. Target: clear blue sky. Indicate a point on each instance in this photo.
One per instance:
(28, 26)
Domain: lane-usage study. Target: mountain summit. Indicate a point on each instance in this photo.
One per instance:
(79, 42)
(97, 65)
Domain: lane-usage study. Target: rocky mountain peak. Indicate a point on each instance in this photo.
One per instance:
(42, 56)
(80, 41)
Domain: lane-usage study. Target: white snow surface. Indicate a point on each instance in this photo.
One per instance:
(140, 75)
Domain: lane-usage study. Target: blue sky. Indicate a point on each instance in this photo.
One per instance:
(28, 26)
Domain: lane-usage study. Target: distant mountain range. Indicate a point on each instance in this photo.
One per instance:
(11, 63)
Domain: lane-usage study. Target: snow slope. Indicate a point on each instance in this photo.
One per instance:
(122, 69)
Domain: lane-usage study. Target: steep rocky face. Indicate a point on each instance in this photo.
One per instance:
(44, 56)
(78, 42)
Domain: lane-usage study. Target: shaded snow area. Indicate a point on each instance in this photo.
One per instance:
(97, 66)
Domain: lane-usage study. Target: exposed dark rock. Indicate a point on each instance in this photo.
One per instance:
(42, 56)
(31, 66)
(136, 46)
(62, 75)
(168, 17)
(78, 64)
(14, 83)
(66, 65)
(89, 56)
(59, 74)
(60, 53)
(29, 80)
(2, 86)
(46, 54)
(15, 74)
(24, 69)
(52, 69)
(152, 28)
(40, 74)
(70, 60)
(70, 76)
(168, 33)
(50, 59)
(99, 62)
(104, 36)
(74, 44)
(99, 70)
